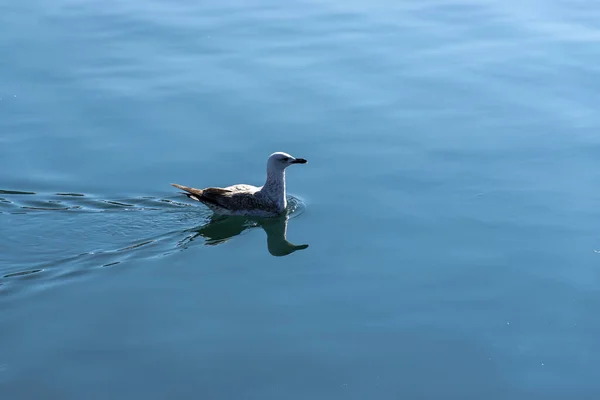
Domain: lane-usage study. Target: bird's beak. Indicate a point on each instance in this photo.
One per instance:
(299, 161)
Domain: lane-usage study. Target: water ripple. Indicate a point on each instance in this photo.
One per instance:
(23, 202)
(209, 229)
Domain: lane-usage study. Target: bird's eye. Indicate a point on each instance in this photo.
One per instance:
(285, 159)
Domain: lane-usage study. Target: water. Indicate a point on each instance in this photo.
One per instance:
(449, 204)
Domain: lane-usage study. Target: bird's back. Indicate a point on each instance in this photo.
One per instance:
(243, 188)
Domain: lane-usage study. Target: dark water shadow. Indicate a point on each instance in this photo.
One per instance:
(220, 229)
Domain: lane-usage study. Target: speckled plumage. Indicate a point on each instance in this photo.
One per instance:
(268, 200)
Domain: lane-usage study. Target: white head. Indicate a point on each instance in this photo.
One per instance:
(280, 161)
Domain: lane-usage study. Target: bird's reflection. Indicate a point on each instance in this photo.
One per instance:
(220, 229)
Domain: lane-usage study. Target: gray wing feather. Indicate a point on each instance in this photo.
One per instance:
(233, 200)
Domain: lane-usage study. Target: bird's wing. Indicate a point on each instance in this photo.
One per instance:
(230, 199)
(239, 200)
(217, 192)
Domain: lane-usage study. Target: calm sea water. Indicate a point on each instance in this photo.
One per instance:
(450, 203)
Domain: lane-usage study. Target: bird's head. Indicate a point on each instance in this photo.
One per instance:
(280, 161)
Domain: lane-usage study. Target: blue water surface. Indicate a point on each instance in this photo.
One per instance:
(450, 202)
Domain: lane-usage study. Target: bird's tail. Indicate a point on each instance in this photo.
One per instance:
(194, 194)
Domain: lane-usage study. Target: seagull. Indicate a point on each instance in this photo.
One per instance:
(266, 201)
